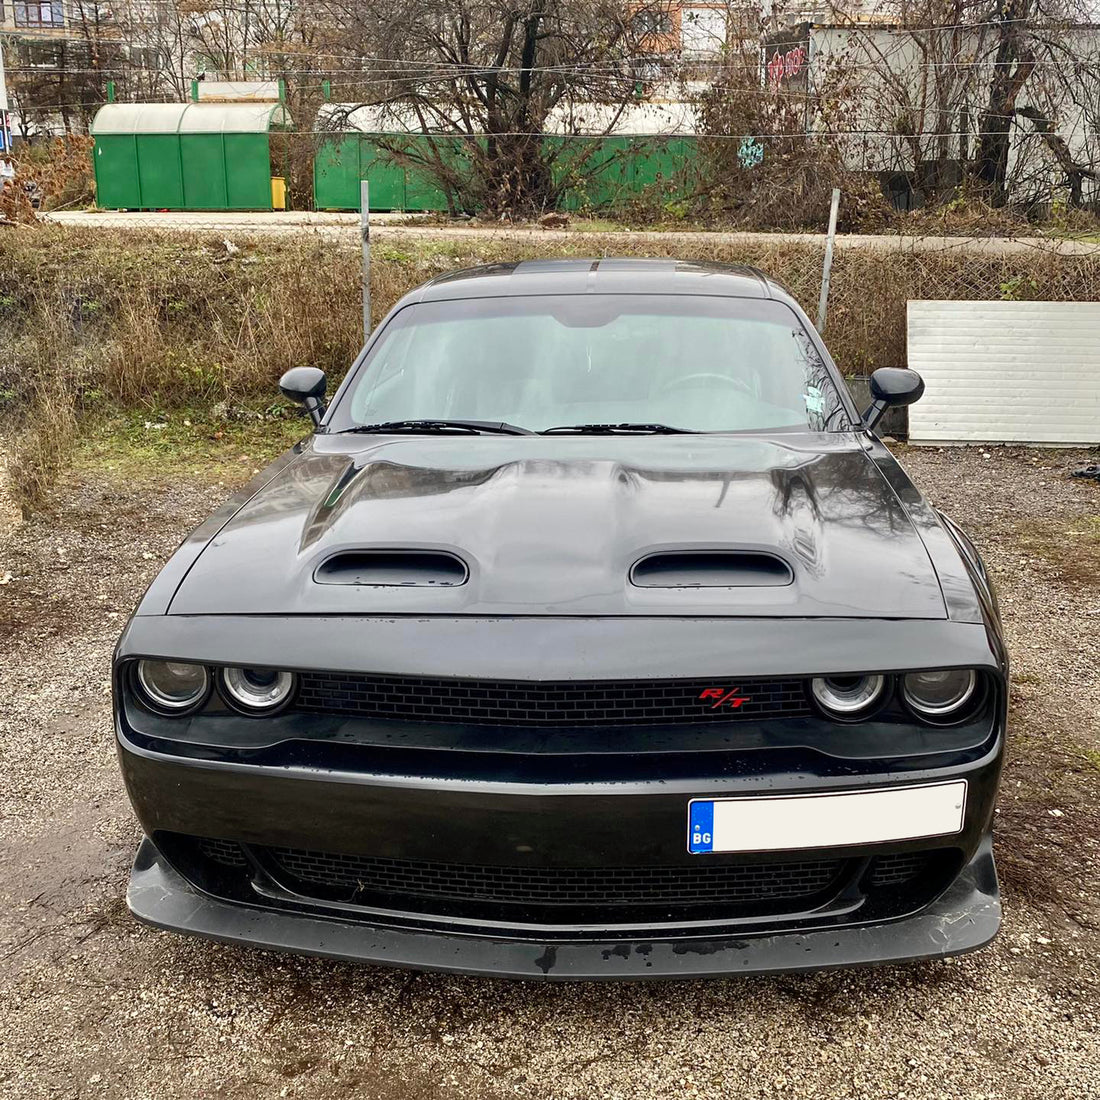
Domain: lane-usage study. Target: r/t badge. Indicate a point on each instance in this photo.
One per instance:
(724, 697)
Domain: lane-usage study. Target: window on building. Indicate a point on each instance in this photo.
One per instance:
(652, 22)
(146, 57)
(39, 13)
(87, 11)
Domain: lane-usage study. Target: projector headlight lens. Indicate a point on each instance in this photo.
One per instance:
(257, 690)
(940, 694)
(172, 687)
(848, 696)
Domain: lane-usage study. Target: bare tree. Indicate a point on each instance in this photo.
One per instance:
(769, 145)
(1057, 106)
(1013, 64)
(487, 76)
(954, 90)
(159, 61)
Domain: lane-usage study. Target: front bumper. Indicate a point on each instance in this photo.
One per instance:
(537, 805)
(964, 918)
(520, 823)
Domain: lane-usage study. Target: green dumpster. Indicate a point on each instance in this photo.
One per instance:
(185, 156)
(628, 153)
(342, 160)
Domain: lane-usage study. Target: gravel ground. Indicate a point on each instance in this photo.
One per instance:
(92, 1004)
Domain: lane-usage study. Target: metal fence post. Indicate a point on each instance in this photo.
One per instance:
(364, 232)
(823, 301)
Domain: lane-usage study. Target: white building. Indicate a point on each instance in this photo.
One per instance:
(907, 104)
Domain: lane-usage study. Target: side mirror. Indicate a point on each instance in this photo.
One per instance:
(306, 385)
(891, 387)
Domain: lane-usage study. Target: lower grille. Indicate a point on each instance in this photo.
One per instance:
(572, 886)
(898, 868)
(226, 852)
(570, 896)
(563, 704)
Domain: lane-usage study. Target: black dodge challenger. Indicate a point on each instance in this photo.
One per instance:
(593, 633)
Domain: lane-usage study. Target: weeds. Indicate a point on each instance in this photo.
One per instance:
(41, 449)
(227, 444)
(40, 392)
(58, 173)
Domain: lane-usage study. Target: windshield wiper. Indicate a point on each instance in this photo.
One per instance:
(474, 427)
(609, 429)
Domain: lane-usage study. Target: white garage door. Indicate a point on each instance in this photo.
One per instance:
(1006, 372)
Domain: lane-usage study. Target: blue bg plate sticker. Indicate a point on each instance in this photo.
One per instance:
(826, 819)
(701, 827)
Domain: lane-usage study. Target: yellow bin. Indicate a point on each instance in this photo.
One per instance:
(278, 193)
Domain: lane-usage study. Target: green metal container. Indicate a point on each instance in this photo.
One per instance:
(602, 171)
(185, 156)
(342, 160)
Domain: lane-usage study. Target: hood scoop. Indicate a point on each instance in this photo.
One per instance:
(393, 569)
(710, 569)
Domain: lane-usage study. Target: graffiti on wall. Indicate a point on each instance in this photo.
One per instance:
(787, 59)
(783, 66)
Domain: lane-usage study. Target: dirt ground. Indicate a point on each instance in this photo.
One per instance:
(94, 1005)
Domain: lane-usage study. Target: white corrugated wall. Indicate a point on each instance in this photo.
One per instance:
(1006, 372)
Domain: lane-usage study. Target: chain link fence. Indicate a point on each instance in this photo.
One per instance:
(157, 312)
(873, 277)
(179, 311)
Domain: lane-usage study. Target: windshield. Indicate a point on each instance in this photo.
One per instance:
(704, 364)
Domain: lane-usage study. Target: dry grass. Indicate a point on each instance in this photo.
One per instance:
(1070, 548)
(90, 320)
(42, 449)
(39, 386)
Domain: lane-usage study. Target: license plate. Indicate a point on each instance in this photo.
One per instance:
(783, 823)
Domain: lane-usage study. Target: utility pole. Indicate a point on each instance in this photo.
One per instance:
(5, 126)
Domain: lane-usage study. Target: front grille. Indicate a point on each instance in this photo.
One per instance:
(564, 704)
(900, 867)
(596, 887)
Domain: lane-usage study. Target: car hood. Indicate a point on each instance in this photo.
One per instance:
(554, 525)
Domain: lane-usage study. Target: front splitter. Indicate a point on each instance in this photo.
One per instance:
(964, 918)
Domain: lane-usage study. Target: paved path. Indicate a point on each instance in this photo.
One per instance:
(272, 221)
(392, 226)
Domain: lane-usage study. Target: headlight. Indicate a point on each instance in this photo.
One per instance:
(257, 690)
(848, 696)
(939, 695)
(172, 687)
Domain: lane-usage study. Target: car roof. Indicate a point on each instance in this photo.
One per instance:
(609, 276)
